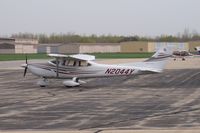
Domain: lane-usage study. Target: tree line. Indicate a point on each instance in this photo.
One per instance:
(75, 38)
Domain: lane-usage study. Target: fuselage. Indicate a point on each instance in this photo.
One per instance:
(49, 70)
(75, 67)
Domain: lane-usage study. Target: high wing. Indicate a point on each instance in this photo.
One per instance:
(84, 57)
(78, 57)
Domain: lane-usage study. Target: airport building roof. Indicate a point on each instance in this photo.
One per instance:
(6, 39)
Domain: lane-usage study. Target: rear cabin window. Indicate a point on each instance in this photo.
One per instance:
(70, 63)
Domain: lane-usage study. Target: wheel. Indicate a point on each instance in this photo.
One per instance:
(42, 86)
(43, 83)
(68, 86)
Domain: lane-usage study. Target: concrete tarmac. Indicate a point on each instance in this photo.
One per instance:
(169, 100)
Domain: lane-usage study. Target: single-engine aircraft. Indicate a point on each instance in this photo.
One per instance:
(181, 54)
(74, 68)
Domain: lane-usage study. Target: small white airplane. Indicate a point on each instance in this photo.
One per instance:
(181, 54)
(73, 68)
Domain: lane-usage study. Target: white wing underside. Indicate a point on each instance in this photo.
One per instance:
(84, 57)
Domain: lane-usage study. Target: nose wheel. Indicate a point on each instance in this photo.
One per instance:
(43, 83)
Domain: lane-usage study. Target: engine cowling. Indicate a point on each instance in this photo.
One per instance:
(70, 83)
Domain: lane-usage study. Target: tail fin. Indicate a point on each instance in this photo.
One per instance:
(162, 54)
(156, 63)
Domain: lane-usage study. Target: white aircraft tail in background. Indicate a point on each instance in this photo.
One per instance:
(74, 68)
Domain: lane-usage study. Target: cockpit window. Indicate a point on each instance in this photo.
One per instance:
(83, 63)
(75, 63)
(54, 62)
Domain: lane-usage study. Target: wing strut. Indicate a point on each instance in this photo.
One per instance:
(57, 65)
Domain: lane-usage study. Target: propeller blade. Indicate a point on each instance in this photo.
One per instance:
(25, 70)
(26, 67)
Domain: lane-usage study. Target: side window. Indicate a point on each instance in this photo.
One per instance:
(84, 63)
(61, 62)
(71, 63)
(76, 63)
(67, 62)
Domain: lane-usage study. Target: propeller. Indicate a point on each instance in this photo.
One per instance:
(25, 67)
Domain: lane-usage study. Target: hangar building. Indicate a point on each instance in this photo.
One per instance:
(26, 45)
(7, 45)
(79, 48)
(11, 45)
(124, 47)
(57, 48)
(15, 45)
(99, 47)
(141, 47)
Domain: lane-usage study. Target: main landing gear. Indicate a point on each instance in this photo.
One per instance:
(72, 83)
(43, 83)
(68, 83)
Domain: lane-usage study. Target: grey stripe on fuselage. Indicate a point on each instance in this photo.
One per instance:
(65, 70)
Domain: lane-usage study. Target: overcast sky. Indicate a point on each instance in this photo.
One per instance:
(117, 17)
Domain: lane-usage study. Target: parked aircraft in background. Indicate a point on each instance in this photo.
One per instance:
(181, 54)
(185, 54)
(74, 68)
